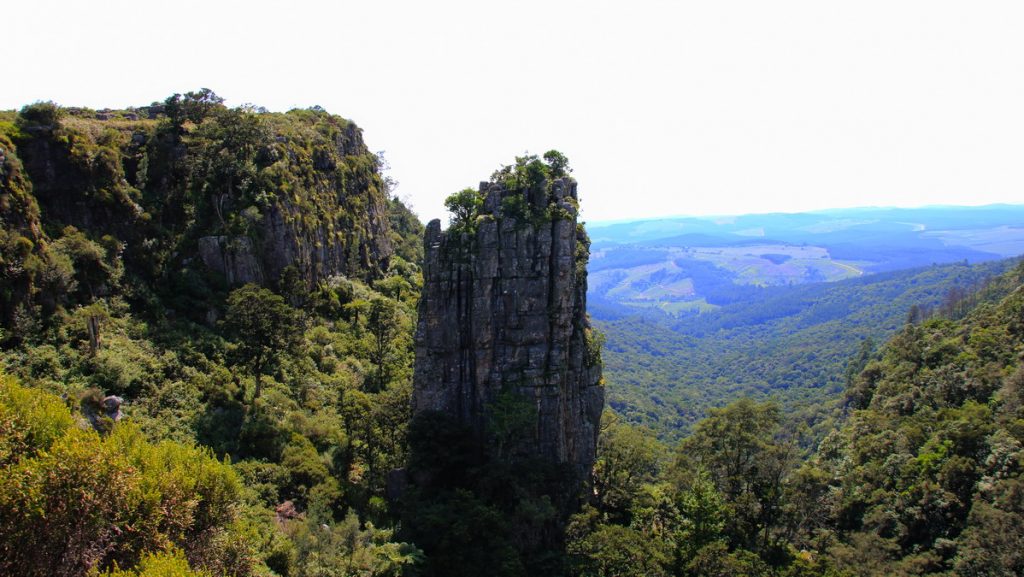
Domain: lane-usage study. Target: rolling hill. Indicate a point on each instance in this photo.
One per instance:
(692, 265)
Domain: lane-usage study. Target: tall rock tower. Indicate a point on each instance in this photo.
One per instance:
(503, 316)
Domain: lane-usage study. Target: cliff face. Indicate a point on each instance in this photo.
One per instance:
(194, 196)
(503, 312)
(333, 220)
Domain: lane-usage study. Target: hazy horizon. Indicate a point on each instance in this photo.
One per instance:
(817, 211)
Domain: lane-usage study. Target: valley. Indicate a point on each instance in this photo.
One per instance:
(700, 311)
(792, 344)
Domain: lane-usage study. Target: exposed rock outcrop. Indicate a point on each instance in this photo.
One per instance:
(232, 257)
(503, 310)
(255, 194)
(332, 221)
(102, 412)
(329, 218)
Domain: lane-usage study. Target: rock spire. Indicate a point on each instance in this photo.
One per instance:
(503, 315)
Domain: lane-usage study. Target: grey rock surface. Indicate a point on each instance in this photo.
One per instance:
(235, 258)
(504, 309)
(347, 231)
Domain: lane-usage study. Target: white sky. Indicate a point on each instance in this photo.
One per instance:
(663, 107)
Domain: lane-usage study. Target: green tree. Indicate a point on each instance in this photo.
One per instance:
(394, 286)
(715, 560)
(464, 206)
(618, 551)
(383, 322)
(704, 515)
(738, 447)
(557, 163)
(265, 328)
(628, 458)
(96, 273)
(192, 107)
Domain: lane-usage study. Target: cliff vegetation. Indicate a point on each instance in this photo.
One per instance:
(206, 322)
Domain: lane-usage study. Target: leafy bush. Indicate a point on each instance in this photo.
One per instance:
(160, 564)
(46, 114)
(86, 502)
(30, 421)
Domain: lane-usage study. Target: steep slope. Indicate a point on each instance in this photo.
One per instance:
(192, 196)
(927, 471)
(504, 311)
(125, 236)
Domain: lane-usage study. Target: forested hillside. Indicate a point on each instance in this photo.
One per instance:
(792, 344)
(926, 471)
(208, 318)
(922, 476)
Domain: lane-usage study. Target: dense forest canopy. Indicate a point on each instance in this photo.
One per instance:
(791, 344)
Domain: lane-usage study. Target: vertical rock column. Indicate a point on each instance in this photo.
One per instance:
(504, 310)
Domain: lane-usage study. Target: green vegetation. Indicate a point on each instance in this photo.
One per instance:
(464, 207)
(792, 344)
(922, 475)
(718, 504)
(478, 505)
(297, 389)
(406, 233)
(926, 472)
(260, 422)
(263, 421)
(294, 196)
(73, 500)
(317, 443)
(265, 328)
(528, 185)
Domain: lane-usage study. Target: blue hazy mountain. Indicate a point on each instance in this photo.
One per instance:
(685, 265)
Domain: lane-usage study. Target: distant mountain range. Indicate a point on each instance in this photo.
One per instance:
(685, 265)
